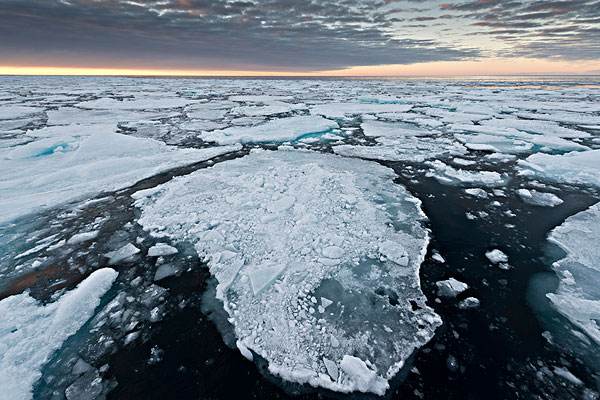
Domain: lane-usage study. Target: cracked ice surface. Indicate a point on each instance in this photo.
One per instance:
(316, 257)
(578, 295)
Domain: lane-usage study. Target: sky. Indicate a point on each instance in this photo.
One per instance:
(300, 37)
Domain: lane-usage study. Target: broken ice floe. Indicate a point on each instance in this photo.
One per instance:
(30, 332)
(281, 230)
(578, 294)
(575, 167)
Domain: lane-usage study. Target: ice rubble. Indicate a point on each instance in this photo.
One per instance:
(75, 161)
(281, 230)
(575, 167)
(277, 130)
(578, 294)
(30, 332)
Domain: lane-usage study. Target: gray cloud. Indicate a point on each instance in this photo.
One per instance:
(565, 29)
(270, 34)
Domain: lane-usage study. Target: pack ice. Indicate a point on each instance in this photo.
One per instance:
(578, 294)
(30, 332)
(316, 257)
(64, 163)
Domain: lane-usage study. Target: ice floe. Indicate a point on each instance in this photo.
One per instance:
(578, 294)
(575, 167)
(281, 230)
(277, 130)
(539, 198)
(30, 332)
(71, 162)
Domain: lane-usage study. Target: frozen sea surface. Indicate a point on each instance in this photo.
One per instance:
(345, 235)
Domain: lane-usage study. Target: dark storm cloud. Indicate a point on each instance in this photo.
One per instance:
(270, 34)
(547, 29)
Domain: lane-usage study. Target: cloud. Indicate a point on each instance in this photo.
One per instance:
(269, 34)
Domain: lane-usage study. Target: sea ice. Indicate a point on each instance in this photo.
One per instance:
(451, 287)
(496, 256)
(448, 175)
(72, 162)
(578, 294)
(575, 167)
(280, 230)
(161, 249)
(539, 198)
(30, 332)
(277, 130)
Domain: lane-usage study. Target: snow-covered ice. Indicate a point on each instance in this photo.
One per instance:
(30, 332)
(71, 162)
(575, 167)
(281, 228)
(578, 294)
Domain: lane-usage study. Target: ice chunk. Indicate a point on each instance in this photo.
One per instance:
(539, 198)
(276, 130)
(124, 254)
(161, 249)
(391, 129)
(362, 378)
(469, 302)
(451, 287)
(135, 104)
(164, 271)
(449, 175)
(341, 110)
(83, 237)
(496, 256)
(477, 192)
(30, 332)
(282, 229)
(578, 296)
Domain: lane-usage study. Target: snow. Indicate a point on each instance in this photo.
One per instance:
(281, 229)
(496, 256)
(161, 249)
(575, 167)
(23, 350)
(277, 130)
(67, 163)
(539, 198)
(451, 287)
(578, 296)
